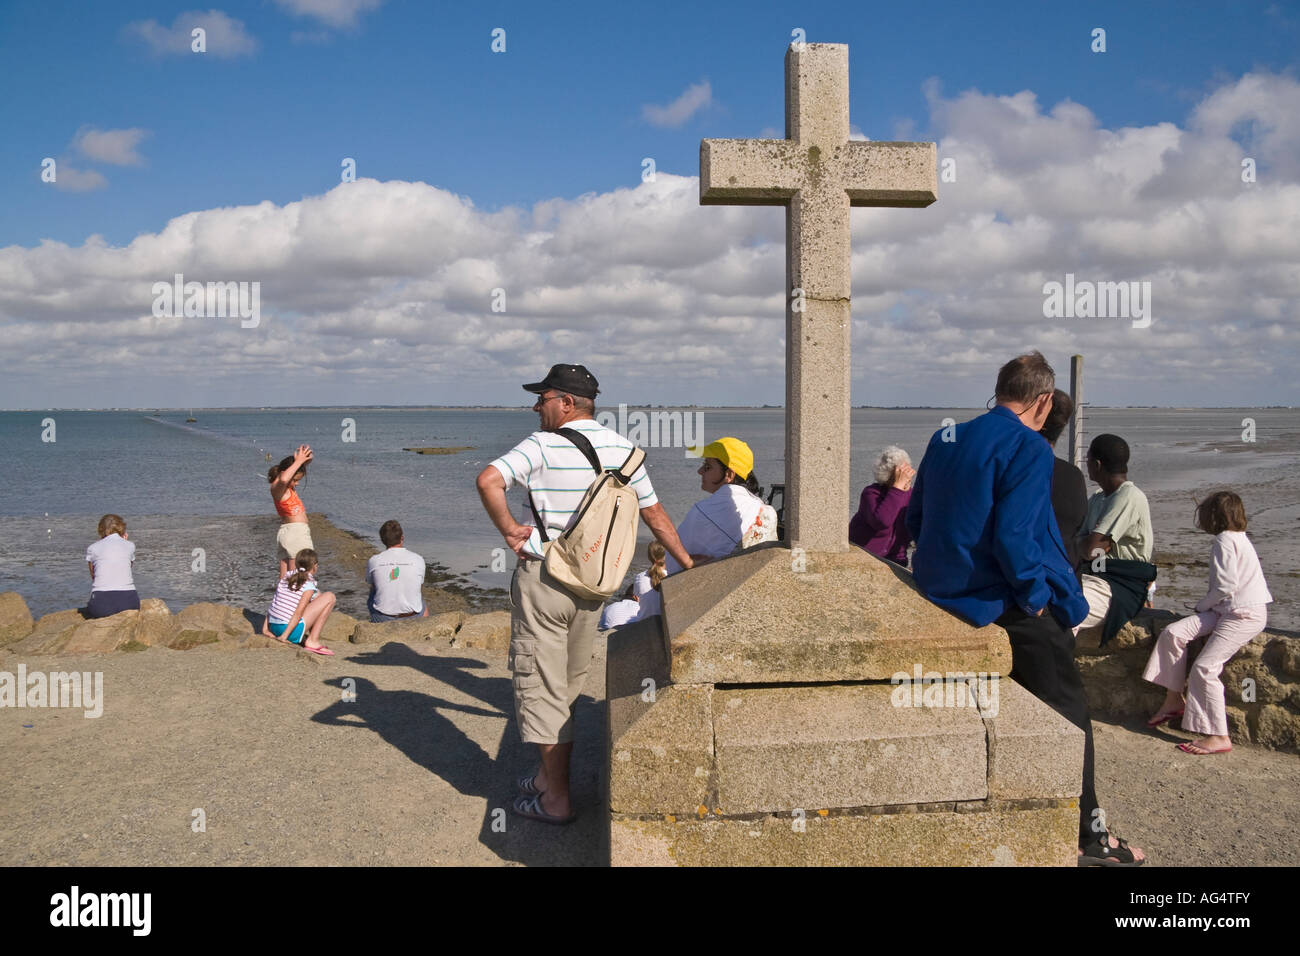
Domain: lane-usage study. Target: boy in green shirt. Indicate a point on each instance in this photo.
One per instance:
(1117, 526)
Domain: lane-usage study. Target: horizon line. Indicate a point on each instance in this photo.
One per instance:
(528, 408)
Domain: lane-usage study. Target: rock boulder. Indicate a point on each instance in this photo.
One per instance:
(414, 631)
(15, 619)
(490, 631)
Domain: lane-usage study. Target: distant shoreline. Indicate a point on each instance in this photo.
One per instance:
(528, 408)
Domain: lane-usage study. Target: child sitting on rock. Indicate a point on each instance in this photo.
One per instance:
(299, 609)
(112, 588)
(1232, 613)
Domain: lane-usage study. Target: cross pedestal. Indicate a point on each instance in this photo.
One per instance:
(760, 719)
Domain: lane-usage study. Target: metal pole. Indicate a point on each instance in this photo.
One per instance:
(1077, 448)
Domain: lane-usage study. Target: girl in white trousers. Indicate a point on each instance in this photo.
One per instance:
(1231, 613)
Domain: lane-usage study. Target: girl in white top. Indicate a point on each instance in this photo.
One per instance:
(1232, 613)
(112, 586)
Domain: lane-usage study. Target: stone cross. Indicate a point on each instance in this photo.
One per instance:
(817, 173)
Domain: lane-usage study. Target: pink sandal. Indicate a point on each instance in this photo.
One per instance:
(1159, 719)
(322, 650)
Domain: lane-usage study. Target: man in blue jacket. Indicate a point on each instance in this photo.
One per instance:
(988, 550)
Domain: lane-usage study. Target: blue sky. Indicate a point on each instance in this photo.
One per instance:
(414, 93)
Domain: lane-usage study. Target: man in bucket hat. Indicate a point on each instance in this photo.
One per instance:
(552, 630)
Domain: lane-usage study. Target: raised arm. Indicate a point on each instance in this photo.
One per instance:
(281, 483)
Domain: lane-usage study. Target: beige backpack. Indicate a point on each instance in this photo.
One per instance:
(592, 557)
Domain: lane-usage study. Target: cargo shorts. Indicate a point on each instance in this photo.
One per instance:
(552, 634)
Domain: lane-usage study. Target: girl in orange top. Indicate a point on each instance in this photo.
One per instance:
(294, 534)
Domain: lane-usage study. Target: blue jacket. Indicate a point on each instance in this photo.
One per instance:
(986, 536)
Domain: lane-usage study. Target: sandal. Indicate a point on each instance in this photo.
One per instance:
(1099, 852)
(322, 650)
(528, 785)
(531, 807)
(1159, 719)
(1195, 751)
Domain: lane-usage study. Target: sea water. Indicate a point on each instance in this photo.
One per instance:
(154, 463)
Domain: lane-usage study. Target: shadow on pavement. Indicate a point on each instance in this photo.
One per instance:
(418, 724)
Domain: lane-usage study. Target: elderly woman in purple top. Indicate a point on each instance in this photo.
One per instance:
(879, 525)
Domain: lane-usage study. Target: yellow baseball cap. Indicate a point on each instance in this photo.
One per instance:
(733, 453)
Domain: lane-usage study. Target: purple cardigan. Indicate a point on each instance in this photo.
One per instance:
(880, 524)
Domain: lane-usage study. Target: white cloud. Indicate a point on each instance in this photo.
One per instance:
(73, 180)
(225, 36)
(693, 99)
(335, 13)
(116, 146)
(381, 291)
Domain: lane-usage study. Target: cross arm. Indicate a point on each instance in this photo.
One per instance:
(890, 174)
(748, 172)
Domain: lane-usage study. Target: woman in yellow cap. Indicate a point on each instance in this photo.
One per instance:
(715, 525)
(733, 512)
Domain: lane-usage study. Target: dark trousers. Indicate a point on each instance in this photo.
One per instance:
(1042, 662)
(108, 603)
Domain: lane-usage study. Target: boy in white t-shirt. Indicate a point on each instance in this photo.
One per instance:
(112, 588)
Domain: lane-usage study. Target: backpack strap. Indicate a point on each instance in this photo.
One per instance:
(635, 459)
(541, 525)
(584, 446)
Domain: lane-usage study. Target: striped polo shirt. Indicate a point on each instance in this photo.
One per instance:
(557, 474)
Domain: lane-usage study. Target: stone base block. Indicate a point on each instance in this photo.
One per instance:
(1033, 751)
(774, 616)
(1027, 833)
(842, 746)
(661, 753)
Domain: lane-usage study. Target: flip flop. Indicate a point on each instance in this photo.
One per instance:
(531, 807)
(528, 785)
(1195, 751)
(1159, 719)
(323, 651)
(1099, 852)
